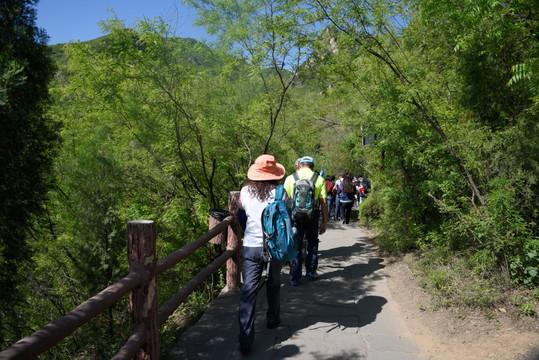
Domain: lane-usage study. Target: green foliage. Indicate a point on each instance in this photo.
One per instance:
(162, 128)
(144, 142)
(275, 40)
(527, 309)
(28, 142)
(524, 263)
(371, 208)
(449, 94)
(452, 282)
(526, 302)
(136, 148)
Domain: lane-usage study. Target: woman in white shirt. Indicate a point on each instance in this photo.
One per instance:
(259, 191)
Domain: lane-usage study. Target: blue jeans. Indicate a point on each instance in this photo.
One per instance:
(337, 210)
(309, 231)
(252, 269)
(330, 201)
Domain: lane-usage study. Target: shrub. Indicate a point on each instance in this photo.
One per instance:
(371, 208)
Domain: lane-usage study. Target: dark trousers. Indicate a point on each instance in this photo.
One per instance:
(252, 269)
(346, 211)
(310, 232)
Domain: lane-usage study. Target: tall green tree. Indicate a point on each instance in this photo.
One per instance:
(274, 38)
(455, 125)
(141, 142)
(28, 140)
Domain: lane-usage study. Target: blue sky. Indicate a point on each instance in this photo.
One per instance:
(66, 20)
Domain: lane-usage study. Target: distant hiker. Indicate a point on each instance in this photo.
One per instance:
(355, 181)
(330, 197)
(347, 196)
(337, 197)
(360, 192)
(305, 206)
(365, 182)
(259, 191)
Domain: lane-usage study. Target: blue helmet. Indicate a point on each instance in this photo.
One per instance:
(307, 160)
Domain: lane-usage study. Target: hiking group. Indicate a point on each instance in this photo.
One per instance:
(273, 234)
(344, 194)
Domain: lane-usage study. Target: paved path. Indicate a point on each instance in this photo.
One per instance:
(347, 313)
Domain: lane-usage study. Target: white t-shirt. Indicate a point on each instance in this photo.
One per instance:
(337, 184)
(252, 236)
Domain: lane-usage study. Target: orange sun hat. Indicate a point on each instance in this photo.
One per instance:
(265, 168)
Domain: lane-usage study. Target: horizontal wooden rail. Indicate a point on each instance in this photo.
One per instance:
(172, 304)
(188, 249)
(142, 286)
(135, 341)
(43, 339)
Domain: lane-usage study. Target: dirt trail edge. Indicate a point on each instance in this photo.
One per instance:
(451, 334)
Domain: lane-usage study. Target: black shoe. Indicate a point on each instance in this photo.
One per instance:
(273, 324)
(245, 348)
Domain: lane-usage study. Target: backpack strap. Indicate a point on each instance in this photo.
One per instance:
(266, 255)
(279, 192)
(314, 177)
(296, 178)
(316, 200)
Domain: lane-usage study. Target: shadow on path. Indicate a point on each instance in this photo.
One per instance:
(335, 305)
(342, 314)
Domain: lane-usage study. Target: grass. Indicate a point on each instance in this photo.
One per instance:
(452, 283)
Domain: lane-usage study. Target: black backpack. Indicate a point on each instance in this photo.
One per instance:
(303, 200)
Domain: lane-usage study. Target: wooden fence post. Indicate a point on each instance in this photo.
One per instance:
(233, 265)
(216, 216)
(141, 236)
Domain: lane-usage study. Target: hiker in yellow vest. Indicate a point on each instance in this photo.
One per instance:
(308, 228)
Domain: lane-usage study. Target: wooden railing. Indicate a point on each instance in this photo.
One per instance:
(141, 284)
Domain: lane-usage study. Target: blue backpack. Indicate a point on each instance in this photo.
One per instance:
(279, 236)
